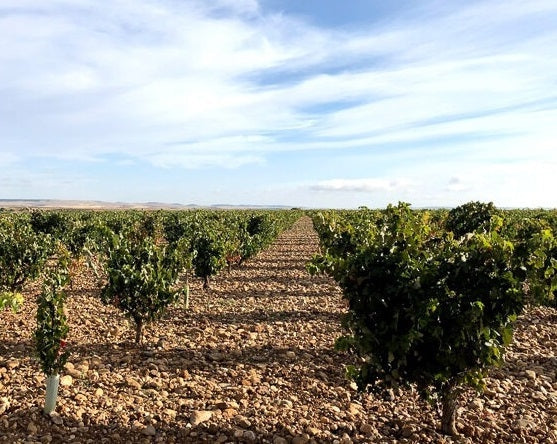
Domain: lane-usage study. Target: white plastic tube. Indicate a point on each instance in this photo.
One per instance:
(52, 383)
(187, 297)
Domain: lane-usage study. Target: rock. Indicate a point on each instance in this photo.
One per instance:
(199, 416)
(32, 428)
(407, 431)
(530, 374)
(476, 404)
(171, 413)
(4, 404)
(390, 394)
(279, 440)
(82, 368)
(161, 343)
(80, 398)
(74, 373)
(302, 439)
(290, 354)
(538, 396)
(147, 353)
(56, 418)
(96, 363)
(216, 356)
(345, 439)
(133, 383)
(229, 413)
(242, 421)
(149, 431)
(354, 408)
(221, 405)
(367, 429)
(525, 424)
(313, 431)
(249, 436)
(12, 363)
(99, 392)
(225, 405)
(285, 403)
(66, 381)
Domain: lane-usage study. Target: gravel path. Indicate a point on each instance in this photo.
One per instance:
(251, 361)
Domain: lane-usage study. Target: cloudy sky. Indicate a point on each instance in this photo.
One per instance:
(320, 103)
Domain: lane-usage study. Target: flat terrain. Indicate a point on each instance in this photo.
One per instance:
(251, 361)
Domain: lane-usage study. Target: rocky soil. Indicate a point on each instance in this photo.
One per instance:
(251, 361)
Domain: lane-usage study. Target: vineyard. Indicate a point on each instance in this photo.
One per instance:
(389, 325)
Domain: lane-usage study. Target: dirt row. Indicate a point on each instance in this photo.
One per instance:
(251, 361)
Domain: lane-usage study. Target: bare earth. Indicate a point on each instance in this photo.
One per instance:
(251, 361)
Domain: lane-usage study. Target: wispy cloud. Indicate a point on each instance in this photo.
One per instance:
(227, 84)
(370, 185)
(456, 184)
(197, 160)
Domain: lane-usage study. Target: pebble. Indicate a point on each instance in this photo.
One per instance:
(249, 436)
(313, 431)
(12, 364)
(171, 413)
(56, 418)
(66, 381)
(407, 431)
(133, 383)
(476, 404)
(367, 429)
(242, 421)
(285, 403)
(301, 439)
(81, 398)
(345, 439)
(73, 373)
(4, 404)
(199, 416)
(96, 363)
(149, 430)
(32, 428)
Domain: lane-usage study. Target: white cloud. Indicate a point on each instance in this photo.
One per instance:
(196, 161)
(236, 6)
(457, 185)
(369, 185)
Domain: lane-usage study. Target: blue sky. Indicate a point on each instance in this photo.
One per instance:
(317, 103)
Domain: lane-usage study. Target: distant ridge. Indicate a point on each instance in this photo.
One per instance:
(100, 205)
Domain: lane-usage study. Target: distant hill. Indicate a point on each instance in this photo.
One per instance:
(98, 205)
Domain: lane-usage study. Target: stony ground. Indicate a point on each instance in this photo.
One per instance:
(251, 361)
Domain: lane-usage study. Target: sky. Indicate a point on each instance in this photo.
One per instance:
(310, 103)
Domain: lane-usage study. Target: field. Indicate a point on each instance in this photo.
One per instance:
(251, 360)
